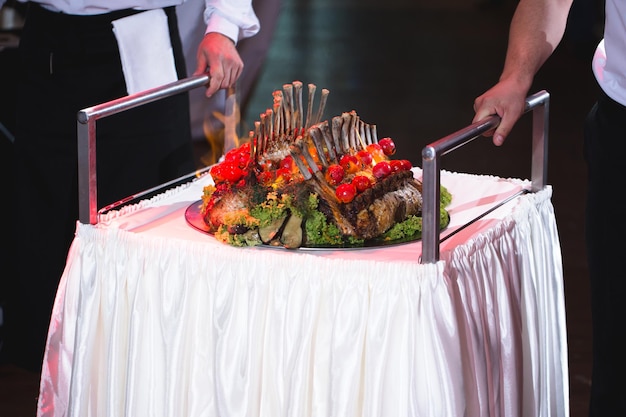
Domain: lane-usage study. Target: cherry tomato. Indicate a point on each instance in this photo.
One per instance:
(350, 163)
(284, 173)
(245, 148)
(334, 174)
(406, 164)
(345, 192)
(387, 145)
(365, 157)
(381, 169)
(226, 172)
(238, 155)
(286, 162)
(216, 173)
(231, 172)
(361, 183)
(231, 155)
(376, 151)
(396, 165)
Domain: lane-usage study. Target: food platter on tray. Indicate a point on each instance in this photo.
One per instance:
(312, 184)
(193, 216)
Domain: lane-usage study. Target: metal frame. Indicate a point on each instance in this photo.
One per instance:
(432, 153)
(86, 129)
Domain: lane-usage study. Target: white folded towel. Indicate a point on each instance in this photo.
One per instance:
(145, 50)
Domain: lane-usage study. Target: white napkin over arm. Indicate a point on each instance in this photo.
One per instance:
(145, 50)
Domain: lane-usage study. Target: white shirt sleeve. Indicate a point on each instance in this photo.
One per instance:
(233, 18)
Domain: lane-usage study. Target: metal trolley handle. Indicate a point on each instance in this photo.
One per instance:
(86, 129)
(431, 154)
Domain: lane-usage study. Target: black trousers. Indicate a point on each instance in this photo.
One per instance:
(605, 154)
(69, 63)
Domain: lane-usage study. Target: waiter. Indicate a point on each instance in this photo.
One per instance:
(76, 54)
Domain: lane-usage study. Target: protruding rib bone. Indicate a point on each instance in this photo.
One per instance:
(269, 120)
(259, 141)
(374, 135)
(309, 107)
(362, 130)
(267, 143)
(295, 155)
(304, 150)
(345, 132)
(336, 123)
(332, 143)
(278, 102)
(320, 109)
(252, 145)
(297, 86)
(361, 141)
(288, 96)
(354, 122)
(318, 141)
(263, 134)
(328, 194)
(368, 135)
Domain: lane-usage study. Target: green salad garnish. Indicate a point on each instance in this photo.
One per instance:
(318, 231)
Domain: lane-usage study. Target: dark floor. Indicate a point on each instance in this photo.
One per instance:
(414, 68)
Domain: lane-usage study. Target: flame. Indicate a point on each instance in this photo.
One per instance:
(215, 134)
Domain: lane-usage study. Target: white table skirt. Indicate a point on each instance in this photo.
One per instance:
(154, 318)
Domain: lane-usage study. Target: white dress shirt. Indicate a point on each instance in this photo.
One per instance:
(609, 61)
(233, 18)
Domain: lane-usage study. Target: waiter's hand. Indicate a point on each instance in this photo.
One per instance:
(506, 99)
(217, 54)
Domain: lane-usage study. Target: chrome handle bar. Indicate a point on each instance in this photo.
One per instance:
(86, 129)
(432, 153)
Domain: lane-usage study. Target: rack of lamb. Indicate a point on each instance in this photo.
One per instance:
(303, 182)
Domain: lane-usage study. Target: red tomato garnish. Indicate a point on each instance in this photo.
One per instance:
(376, 151)
(334, 174)
(406, 164)
(365, 157)
(361, 183)
(381, 169)
(231, 172)
(284, 173)
(373, 147)
(350, 163)
(345, 192)
(241, 159)
(216, 173)
(396, 165)
(387, 145)
(245, 148)
(286, 162)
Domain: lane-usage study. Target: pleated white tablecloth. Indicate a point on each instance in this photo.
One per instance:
(154, 318)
